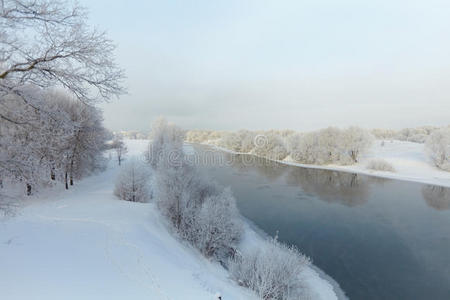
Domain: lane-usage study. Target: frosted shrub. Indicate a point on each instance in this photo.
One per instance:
(303, 148)
(132, 184)
(380, 165)
(200, 211)
(270, 146)
(217, 225)
(231, 141)
(272, 271)
(319, 147)
(247, 140)
(241, 141)
(438, 147)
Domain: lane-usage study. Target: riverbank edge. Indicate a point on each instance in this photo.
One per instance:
(261, 235)
(347, 169)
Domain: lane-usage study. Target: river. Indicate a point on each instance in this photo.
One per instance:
(377, 238)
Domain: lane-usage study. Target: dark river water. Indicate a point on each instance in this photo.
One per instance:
(378, 238)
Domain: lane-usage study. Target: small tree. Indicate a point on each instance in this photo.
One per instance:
(133, 183)
(355, 141)
(120, 148)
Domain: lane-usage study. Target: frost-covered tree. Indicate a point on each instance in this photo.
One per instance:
(132, 184)
(354, 141)
(438, 147)
(48, 45)
(86, 142)
(270, 146)
(120, 148)
(62, 141)
(240, 141)
(272, 270)
(231, 141)
(217, 225)
(166, 143)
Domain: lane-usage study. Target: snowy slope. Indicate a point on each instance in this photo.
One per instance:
(86, 244)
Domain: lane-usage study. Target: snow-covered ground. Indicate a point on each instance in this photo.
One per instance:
(409, 159)
(86, 244)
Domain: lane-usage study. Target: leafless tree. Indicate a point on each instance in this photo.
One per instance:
(48, 43)
(120, 148)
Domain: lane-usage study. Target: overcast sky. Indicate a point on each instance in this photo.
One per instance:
(279, 64)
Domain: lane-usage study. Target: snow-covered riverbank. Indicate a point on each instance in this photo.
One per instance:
(410, 161)
(86, 244)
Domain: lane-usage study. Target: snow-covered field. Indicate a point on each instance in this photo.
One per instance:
(86, 244)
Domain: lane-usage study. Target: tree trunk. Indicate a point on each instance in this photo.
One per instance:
(52, 174)
(1, 183)
(28, 189)
(65, 179)
(71, 172)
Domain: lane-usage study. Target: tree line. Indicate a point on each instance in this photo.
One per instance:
(53, 69)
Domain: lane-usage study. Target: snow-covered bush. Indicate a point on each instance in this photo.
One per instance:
(273, 271)
(132, 184)
(270, 146)
(217, 225)
(201, 212)
(438, 146)
(379, 164)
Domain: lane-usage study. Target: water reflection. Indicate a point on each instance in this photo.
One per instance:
(334, 187)
(269, 169)
(437, 197)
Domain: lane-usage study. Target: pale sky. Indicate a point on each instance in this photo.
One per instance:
(296, 64)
